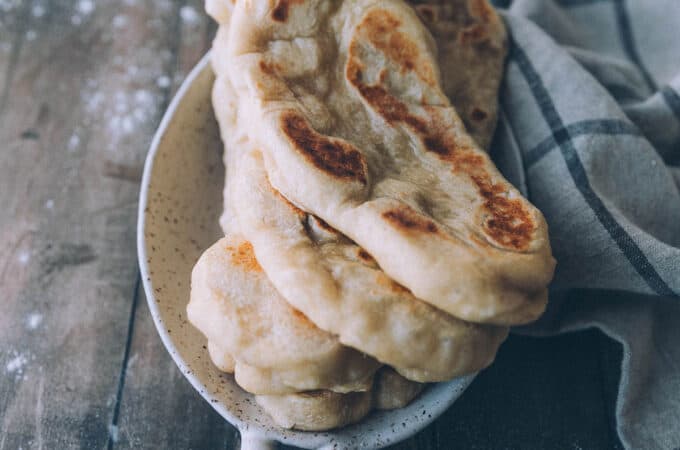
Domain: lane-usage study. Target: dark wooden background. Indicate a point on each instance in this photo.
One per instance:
(83, 85)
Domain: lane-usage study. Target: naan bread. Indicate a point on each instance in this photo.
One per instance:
(392, 391)
(327, 409)
(254, 332)
(323, 410)
(471, 49)
(317, 410)
(343, 100)
(346, 293)
(468, 34)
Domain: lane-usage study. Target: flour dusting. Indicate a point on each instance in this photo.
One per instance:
(189, 15)
(24, 257)
(73, 142)
(37, 10)
(113, 432)
(34, 320)
(119, 21)
(9, 5)
(163, 82)
(85, 7)
(16, 364)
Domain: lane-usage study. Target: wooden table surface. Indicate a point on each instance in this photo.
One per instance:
(83, 85)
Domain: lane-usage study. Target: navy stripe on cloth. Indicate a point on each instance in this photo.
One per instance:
(672, 100)
(610, 127)
(628, 42)
(578, 174)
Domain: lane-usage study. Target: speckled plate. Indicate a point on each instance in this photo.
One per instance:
(179, 206)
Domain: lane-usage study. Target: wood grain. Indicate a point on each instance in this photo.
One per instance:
(83, 85)
(83, 90)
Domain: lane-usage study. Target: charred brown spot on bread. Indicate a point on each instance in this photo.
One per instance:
(509, 224)
(269, 68)
(473, 34)
(244, 256)
(388, 106)
(336, 157)
(478, 115)
(382, 76)
(280, 11)
(508, 221)
(389, 283)
(298, 212)
(406, 218)
(381, 28)
(302, 318)
(482, 10)
(321, 394)
(324, 225)
(365, 256)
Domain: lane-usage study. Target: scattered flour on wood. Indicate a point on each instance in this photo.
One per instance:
(73, 142)
(37, 10)
(85, 7)
(24, 257)
(17, 363)
(189, 15)
(163, 82)
(128, 98)
(119, 21)
(34, 320)
(9, 5)
(113, 432)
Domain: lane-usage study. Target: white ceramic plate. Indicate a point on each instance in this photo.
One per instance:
(180, 202)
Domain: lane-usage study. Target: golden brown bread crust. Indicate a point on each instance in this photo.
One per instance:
(272, 347)
(470, 35)
(338, 158)
(408, 219)
(280, 11)
(507, 221)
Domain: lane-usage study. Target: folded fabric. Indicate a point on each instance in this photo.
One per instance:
(590, 131)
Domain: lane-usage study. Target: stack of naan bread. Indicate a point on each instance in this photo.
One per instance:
(370, 243)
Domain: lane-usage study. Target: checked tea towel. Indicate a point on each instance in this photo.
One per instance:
(590, 130)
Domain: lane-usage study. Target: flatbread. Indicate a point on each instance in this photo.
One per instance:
(468, 34)
(471, 49)
(317, 410)
(344, 102)
(323, 410)
(346, 293)
(392, 391)
(253, 331)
